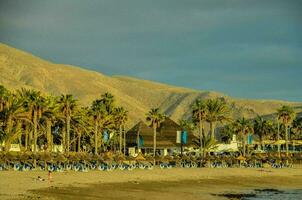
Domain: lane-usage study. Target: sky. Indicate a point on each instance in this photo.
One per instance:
(243, 48)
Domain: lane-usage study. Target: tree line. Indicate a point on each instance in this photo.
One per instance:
(31, 119)
(211, 112)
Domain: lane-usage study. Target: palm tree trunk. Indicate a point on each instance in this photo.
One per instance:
(200, 136)
(286, 140)
(63, 143)
(26, 136)
(278, 138)
(79, 142)
(30, 139)
(262, 144)
(20, 135)
(48, 135)
(243, 145)
(154, 140)
(121, 137)
(124, 132)
(35, 131)
(51, 141)
(154, 143)
(68, 132)
(8, 130)
(96, 138)
(212, 127)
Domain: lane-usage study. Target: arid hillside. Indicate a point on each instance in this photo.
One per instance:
(20, 69)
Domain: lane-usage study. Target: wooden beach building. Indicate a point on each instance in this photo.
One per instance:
(140, 137)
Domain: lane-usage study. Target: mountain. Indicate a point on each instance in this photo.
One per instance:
(20, 69)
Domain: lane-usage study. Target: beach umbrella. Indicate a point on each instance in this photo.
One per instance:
(168, 158)
(25, 156)
(60, 158)
(84, 156)
(120, 157)
(108, 156)
(140, 157)
(241, 158)
(96, 158)
(149, 158)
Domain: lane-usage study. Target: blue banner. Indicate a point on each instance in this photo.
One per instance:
(184, 137)
(105, 136)
(249, 139)
(141, 141)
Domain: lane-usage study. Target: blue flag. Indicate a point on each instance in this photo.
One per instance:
(141, 141)
(249, 139)
(184, 137)
(105, 136)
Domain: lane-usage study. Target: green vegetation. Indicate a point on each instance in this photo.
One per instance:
(286, 114)
(216, 110)
(31, 119)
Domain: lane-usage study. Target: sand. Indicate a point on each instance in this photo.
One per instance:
(145, 184)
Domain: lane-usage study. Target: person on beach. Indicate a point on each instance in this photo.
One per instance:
(49, 176)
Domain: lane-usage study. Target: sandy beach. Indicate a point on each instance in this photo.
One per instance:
(146, 184)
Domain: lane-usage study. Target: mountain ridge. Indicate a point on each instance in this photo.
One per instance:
(21, 69)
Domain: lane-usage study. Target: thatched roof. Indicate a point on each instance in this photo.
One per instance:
(241, 158)
(166, 135)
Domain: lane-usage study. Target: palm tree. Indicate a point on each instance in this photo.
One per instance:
(199, 117)
(263, 128)
(11, 115)
(108, 100)
(34, 103)
(286, 114)
(24, 95)
(227, 133)
(155, 118)
(102, 112)
(120, 115)
(243, 127)
(81, 126)
(4, 95)
(97, 111)
(217, 111)
(67, 105)
(186, 125)
(49, 116)
(209, 144)
(297, 127)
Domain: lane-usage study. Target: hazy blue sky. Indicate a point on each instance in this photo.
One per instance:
(247, 48)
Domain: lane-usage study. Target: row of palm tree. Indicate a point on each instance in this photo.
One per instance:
(31, 118)
(212, 111)
(266, 129)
